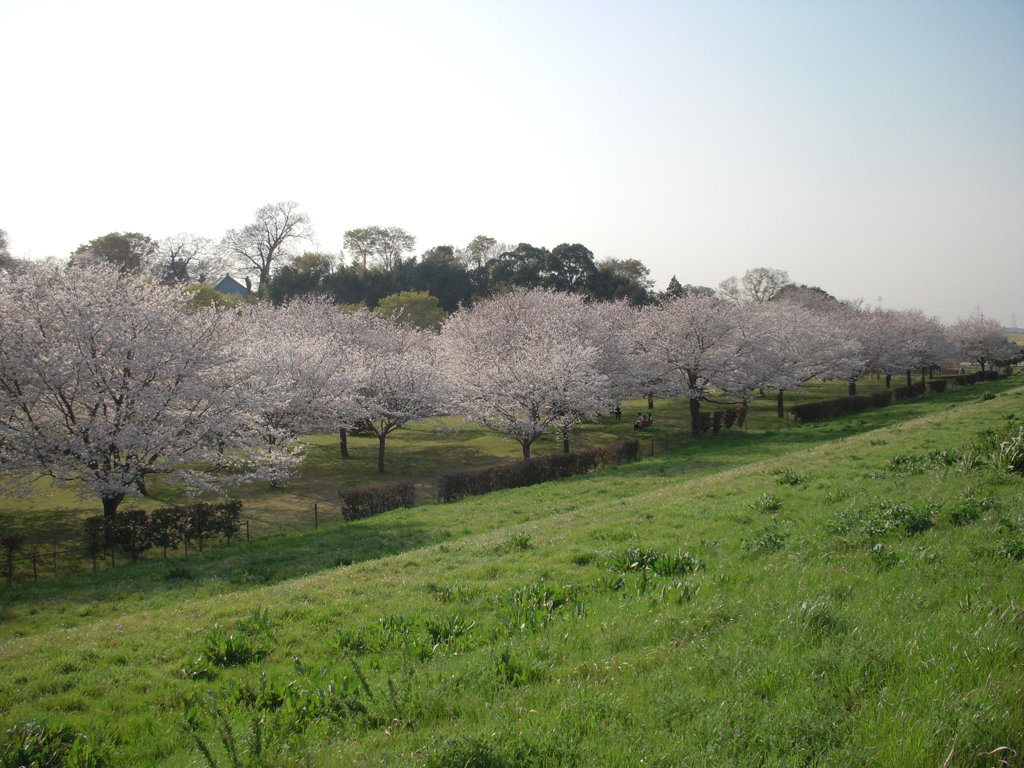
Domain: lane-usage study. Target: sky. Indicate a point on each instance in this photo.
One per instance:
(873, 148)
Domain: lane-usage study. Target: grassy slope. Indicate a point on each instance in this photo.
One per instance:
(823, 652)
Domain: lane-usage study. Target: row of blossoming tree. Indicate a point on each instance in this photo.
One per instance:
(108, 378)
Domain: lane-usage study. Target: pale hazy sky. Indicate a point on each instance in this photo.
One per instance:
(874, 148)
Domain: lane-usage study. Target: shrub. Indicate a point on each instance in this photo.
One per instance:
(823, 410)
(167, 525)
(370, 500)
(716, 421)
(937, 386)
(741, 416)
(453, 486)
(12, 542)
(97, 534)
(131, 531)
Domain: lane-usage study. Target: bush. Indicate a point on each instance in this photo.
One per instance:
(741, 416)
(370, 500)
(131, 531)
(167, 525)
(453, 486)
(716, 421)
(937, 386)
(823, 410)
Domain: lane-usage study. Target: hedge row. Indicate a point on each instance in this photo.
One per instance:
(729, 418)
(911, 390)
(824, 410)
(370, 500)
(136, 531)
(830, 409)
(452, 486)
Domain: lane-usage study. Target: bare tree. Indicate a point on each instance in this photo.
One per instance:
(258, 246)
(758, 285)
(185, 258)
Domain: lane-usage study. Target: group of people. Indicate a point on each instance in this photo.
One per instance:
(642, 421)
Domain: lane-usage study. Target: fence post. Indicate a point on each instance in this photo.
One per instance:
(35, 566)
(316, 517)
(247, 539)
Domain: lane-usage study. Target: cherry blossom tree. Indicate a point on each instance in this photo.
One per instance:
(104, 380)
(982, 340)
(522, 364)
(794, 345)
(391, 376)
(290, 355)
(697, 344)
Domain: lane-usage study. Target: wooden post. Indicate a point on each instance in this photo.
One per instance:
(35, 566)
(316, 517)
(247, 531)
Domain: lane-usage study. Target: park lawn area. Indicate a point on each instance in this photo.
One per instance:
(53, 518)
(836, 594)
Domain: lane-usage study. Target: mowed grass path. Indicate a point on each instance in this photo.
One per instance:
(522, 628)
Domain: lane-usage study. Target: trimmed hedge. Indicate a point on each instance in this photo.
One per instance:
(452, 486)
(135, 531)
(370, 500)
(911, 390)
(823, 410)
(937, 386)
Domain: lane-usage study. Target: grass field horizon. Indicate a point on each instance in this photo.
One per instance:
(844, 593)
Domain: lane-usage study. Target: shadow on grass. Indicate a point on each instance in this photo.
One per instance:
(272, 559)
(263, 561)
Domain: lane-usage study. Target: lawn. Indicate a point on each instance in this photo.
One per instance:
(837, 594)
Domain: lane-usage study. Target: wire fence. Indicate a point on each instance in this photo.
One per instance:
(63, 557)
(67, 557)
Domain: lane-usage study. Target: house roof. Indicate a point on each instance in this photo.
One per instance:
(229, 285)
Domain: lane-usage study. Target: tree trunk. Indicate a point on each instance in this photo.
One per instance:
(650, 401)
(526, 450)
(565, 439)
(910, 379)
(779, 409)
(343, 442)
(851, 390)
(888, 380)
(380, 452)
(695, 416)
(111, 503)
(924, 372)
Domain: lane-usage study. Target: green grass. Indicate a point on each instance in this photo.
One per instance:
(419, 451)
(771, 597)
